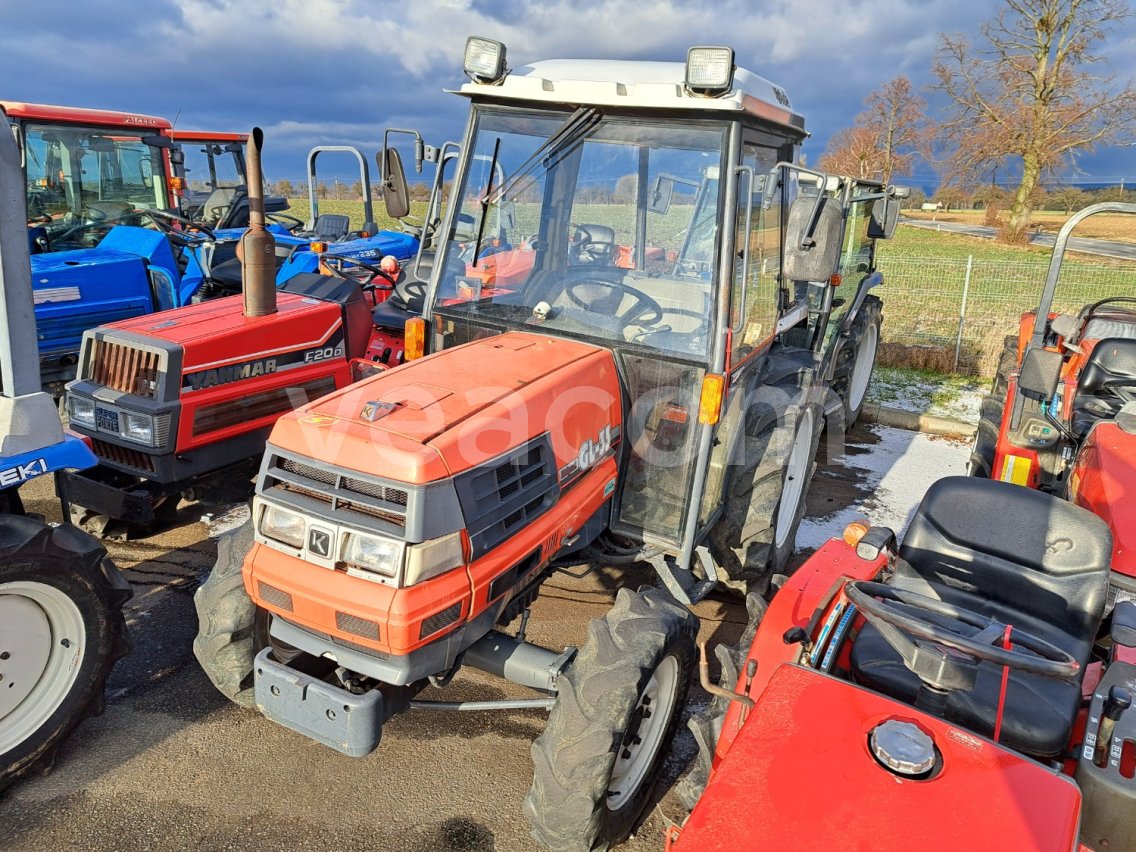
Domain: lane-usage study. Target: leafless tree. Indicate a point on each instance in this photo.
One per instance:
(885, 137)
(1031, 93)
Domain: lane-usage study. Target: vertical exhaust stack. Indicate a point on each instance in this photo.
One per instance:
(257, 248)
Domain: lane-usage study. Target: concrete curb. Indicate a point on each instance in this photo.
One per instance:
(915, 422)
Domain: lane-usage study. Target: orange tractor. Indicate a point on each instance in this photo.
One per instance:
(634, 324)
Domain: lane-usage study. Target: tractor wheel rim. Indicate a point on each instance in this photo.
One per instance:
(639, 749)
(42, 640)
(794, 487)
(865, 361)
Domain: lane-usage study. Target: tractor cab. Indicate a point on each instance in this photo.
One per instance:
(87, 170)
(211, 179)
(661, 219)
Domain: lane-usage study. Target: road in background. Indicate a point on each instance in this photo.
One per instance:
(1085, 245)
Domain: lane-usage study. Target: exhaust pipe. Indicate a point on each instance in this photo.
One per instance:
(257, 248)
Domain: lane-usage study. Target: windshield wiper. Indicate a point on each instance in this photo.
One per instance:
(574, 127)
(485, 202)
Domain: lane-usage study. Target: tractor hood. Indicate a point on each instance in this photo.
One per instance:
(800, 776)
(1104, 482)
(462, 407)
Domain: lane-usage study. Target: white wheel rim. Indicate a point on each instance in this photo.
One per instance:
(42, 641)
(794, 486)
(865, 361)
(656, 705)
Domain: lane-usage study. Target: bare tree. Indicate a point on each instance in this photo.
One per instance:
(1027, 94)
(1070, 198)
(885, 137)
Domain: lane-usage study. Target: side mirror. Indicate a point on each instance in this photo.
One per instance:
(507, 215)
(812, 253)
(884, 218)
(659, 198)
(1040, 373)
(396, 196)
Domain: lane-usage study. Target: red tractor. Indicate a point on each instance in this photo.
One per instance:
(179, 403)
(950, 693)
(1052, 421)
(636, 311)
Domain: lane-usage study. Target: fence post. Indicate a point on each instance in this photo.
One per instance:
(962, 310)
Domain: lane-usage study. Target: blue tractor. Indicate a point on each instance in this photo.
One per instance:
(61, 623)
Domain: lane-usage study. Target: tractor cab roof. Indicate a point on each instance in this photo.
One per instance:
(637, 85)
(78, 115)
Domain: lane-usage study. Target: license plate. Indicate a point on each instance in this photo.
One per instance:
(106, 419)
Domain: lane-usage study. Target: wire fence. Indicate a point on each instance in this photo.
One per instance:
(952, 314)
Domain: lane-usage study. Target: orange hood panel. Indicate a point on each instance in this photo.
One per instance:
(455, 409)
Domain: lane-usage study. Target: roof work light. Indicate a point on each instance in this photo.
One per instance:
(710, 70)
(484, 60)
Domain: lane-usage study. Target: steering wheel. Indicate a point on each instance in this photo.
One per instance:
(165, 222)
(290, 222)
(335, 263)
(634, 315)
(896, 612)
(598, 250)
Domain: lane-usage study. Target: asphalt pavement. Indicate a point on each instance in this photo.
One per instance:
(1085, 245)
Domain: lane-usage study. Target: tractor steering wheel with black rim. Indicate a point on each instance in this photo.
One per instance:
(645, 311)
(335, 263)
(901, 616)
(165, 221)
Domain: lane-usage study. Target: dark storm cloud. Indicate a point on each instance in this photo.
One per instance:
(339, 71)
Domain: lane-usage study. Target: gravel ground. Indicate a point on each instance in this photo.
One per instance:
(172, 765)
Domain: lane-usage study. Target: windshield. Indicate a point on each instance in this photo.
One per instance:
(214, 171)
(588, 225)
(80, 178)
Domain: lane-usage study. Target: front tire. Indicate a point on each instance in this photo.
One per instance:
(852, 377)
(618, 706)
(226, 640)
(61, 631)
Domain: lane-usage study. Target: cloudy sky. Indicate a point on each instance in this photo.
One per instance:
(339, 71)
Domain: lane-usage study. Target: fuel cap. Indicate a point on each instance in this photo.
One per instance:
(902, 747)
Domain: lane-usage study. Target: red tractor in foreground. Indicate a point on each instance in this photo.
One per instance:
(1053, 420)
(950, 693)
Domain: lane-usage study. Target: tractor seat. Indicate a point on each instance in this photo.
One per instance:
(406, 302)
(331, 227)
(1112, 364)
(1025, 558)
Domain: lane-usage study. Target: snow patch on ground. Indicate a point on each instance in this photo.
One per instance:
(940, 395)
(226, 519)
(897, 471)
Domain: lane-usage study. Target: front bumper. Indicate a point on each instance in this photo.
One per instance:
(349, 723)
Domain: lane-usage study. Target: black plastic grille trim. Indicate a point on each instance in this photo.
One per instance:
(274, 596)
(440, 620)
(342, 493)
(506, 494)
(357, 626)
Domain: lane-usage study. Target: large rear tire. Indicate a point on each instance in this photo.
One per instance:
(992, 411)
(766, 488)
(226, 641)
(706, 725)
(853, 375)
(618, 706)
(61, 631)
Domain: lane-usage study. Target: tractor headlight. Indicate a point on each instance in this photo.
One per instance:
(81, 410)
(434, 557)
(282, 525)
(138, 427)
(484, 59)
(372, 554)
(710, 70)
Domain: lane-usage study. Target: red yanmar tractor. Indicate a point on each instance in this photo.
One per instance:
(951, 693)
(1054, 419)
(179, 403)
(636, 371)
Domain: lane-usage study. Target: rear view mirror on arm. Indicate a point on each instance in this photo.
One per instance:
(813, 239)
(659, 199)
(396, 196)
(884, 218)
(1041, 371)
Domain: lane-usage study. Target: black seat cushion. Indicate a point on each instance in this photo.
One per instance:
(1112, 364)
(1022, 557)
(390, 314)
(331, 226)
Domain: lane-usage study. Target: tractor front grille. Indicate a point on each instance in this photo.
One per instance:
(357, 626)
(507, 493)
(274, 596)
(124, 368)
(347, 494)
(440, 620)
(123, 456)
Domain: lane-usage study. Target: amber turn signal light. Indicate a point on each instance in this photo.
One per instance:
(710, 403)
(414, 338)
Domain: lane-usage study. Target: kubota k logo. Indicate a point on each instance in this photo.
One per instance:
(319, 543)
